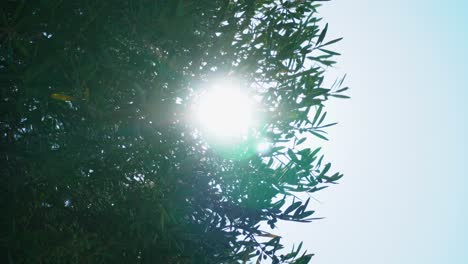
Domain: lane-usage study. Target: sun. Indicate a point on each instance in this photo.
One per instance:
(225, 112)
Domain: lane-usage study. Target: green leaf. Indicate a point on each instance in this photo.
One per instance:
(322, 35)
(330, 52)
(299, 247)
(276, 149)
(300, 141)
(324, 170)
(279, 204)
(306, 203)
(292, 155)
(318, 91)
(304, 259)
(340, 96)
(292, 207)
(321, 119)
(317, 114)
(331, 42)
(316, 189)
(319, 163)
(62, 97)
(305, 214)
(334, 178)
(328, 125)
(314, 153)
(342, 89)
(318, 135)
(342, 80)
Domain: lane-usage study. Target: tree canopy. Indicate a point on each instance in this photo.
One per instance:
(99, 160)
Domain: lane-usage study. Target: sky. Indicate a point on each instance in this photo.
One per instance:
(401, 140)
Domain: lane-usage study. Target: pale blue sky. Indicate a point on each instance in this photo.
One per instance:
(401, 139)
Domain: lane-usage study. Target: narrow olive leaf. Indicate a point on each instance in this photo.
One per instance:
(304, 259)
(309, 101)
(327, 62)
(306, 203)
(274, 242)
(275, 149)
(334, 83)
(305, 214)
(304, 152)
(315, 152)
(270, 162)
(317, 114)
(342, 80)
(266, 234)
(322, 35)
(316, 189)
(331, 42)
(279, 204)
(319, 163)
(292, 155)
(308, 220)
(299, 211)
(300, 141)
(322, 118)
(340, 96)
(318, 135)
(328, 125)
(335, 177)
(342, 90)
(291, 208)
(299, 247)
(330, 52)
(61, 97)
(325, 170)
(317, 92)
(292, 250)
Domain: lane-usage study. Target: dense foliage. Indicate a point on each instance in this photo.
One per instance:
(99, 162)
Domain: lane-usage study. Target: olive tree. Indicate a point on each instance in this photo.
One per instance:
(99, 159)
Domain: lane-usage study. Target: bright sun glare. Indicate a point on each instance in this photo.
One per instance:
(225, 112)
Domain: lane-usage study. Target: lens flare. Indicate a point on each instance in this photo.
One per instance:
(225, 112)
(263, 147)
